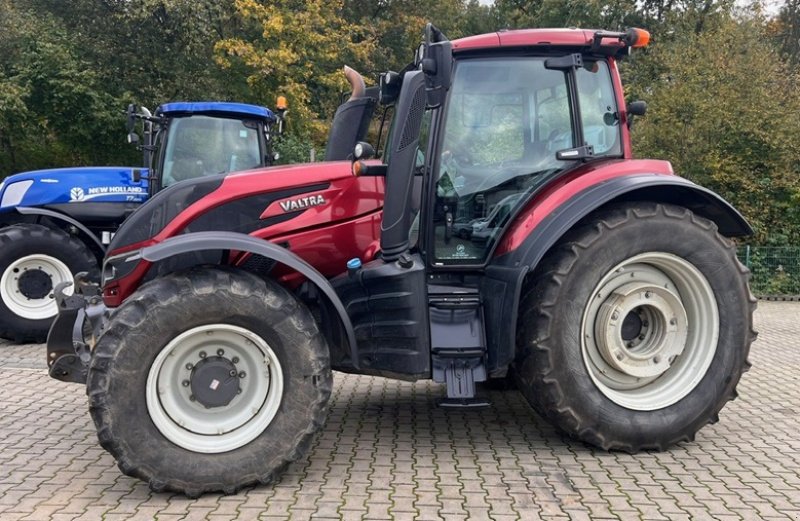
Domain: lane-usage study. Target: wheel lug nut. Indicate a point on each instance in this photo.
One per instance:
(220, 352)
(656, 359)
(646, 294)
(189, 366)
(185, 383)
(192, 398)
(641, 337)
(233, 372)
(202, 354)
(645, 323)
(242, 374)
(235, 360)
(239, 390)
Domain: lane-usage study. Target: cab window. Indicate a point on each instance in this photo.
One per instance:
(504, 122)
(598, 108)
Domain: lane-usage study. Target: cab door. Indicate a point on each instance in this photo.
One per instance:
(503, 124)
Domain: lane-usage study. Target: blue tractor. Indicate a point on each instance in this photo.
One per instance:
(56, 223)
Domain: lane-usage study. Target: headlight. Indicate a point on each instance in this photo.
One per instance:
(14, 193)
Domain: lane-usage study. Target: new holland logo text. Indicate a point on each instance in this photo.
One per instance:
(301, 203)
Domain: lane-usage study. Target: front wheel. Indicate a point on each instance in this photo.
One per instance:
(33, 260)
(209, 380)
(635, 330)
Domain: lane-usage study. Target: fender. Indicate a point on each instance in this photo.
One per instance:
(26, 210)
(506, 273)
(197, 241)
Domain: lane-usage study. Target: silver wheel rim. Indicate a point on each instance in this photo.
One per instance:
(33, 308)
(649, 331)
(183, 420)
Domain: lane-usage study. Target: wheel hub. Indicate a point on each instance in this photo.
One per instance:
(649, 331)
(34, 283)
(648, 350)
(214, 388)
(214, 381)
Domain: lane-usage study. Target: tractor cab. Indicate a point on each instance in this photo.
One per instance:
(189, 140)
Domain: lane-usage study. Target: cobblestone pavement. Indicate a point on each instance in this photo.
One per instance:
(387, 452)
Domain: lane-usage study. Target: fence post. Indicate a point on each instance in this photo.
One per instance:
(747, 256)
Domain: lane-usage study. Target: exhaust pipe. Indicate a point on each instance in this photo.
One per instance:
(351, 121)
(357, 85)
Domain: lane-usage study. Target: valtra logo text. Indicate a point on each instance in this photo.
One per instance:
(302, 203)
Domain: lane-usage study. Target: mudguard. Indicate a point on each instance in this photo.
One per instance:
(506, 273)
(64, 218)
(199, 241)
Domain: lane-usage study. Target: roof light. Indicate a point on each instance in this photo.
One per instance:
(281, 103)
(637, 37)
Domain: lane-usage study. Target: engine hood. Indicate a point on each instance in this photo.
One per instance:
(264, 202)
(107, 184)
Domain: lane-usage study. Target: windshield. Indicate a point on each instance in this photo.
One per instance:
(198, 146)
(505, 121)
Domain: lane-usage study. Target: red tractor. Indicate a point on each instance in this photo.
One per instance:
(507, 232)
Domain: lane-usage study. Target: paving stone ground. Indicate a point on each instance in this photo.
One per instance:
(387, 452)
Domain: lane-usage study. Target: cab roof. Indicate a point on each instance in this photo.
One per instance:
(530, 37)
(214, 107)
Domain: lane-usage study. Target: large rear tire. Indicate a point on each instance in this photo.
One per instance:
(33, 260)
(635, 330)
(209, 380)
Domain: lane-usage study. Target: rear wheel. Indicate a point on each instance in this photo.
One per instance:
(209, 380)
(33, 260)
(635, 330)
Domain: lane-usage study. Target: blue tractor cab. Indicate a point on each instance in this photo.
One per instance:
(56, 223)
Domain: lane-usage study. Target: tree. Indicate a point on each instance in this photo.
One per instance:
(724, 110)
(300, 53)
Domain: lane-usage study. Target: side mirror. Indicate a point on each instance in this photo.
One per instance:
(363, 150)
(131, 117)
(637, 108)
(437, 64)
(389, 88)
(136, 175)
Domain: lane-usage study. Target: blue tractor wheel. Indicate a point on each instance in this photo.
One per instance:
(33, 260)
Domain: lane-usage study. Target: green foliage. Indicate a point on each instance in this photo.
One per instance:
(294, 148)
(774, 270)
(723, 109)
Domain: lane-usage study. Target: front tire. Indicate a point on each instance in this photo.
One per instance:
(209, 380)
(33, 260)
(635, 329)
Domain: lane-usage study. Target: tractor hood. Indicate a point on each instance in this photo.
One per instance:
(107, 184)
(261, 202)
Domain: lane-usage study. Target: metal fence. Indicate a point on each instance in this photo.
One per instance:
(775, 270)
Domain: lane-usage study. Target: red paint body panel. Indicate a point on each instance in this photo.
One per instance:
(264, 180)
(347, 225)
(530, 38)
(561, 190)
(619, 93)
(329, 247)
